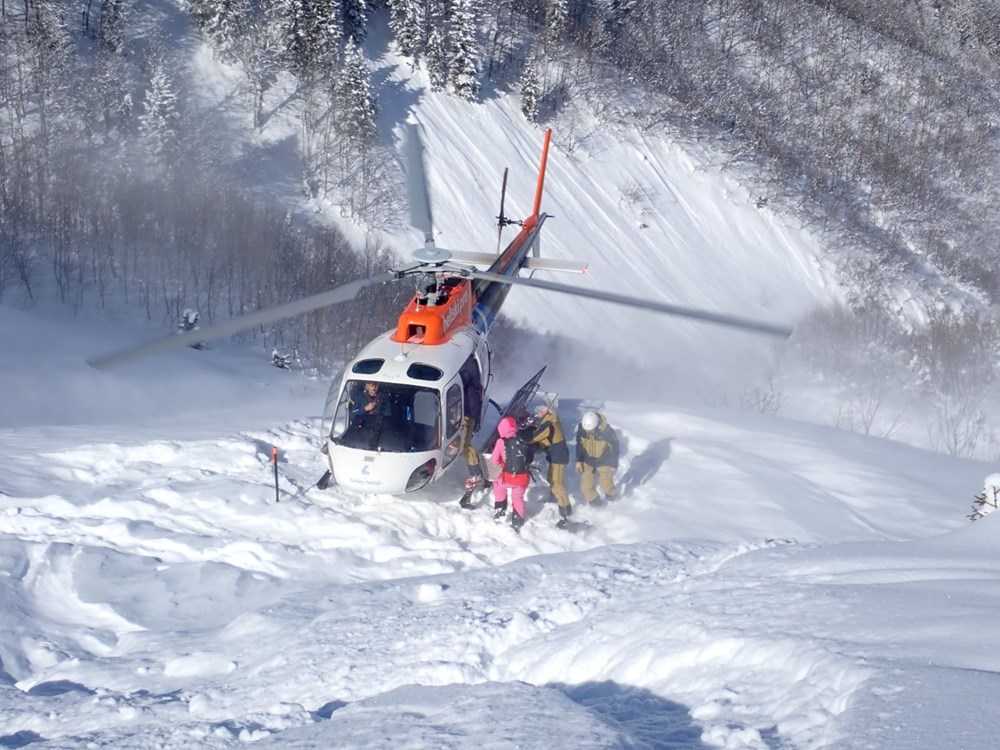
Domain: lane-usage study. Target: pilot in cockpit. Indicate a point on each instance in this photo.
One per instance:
(368, 406)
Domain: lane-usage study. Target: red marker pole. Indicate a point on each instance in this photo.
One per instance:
(274, 460)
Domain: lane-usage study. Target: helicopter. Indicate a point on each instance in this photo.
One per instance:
(408, 404)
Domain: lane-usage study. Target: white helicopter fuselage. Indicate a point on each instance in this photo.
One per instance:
(416, 430)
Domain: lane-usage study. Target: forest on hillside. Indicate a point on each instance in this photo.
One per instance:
(874, 120)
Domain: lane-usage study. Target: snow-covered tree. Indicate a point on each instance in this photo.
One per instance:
(258, 44)
(111, 34)
(462, 72)
(281, 360)
(530, 90)
(436, 56)
(406, 22)
(110, 77)
(359, 110)
(158, 122)
(300, 36)
(355, 19)
(219, 18)
(556, 18)
(313, 29)
(190, 321)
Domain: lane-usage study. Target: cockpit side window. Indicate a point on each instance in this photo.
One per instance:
(454, 409)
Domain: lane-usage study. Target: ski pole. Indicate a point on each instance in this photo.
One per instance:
(274, 460)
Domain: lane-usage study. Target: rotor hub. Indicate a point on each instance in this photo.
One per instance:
(431, 254)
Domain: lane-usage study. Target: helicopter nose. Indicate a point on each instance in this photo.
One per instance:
(381, 472)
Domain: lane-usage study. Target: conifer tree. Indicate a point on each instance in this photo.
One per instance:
(111, 36)
(355, 20)
(358, 107)
(299, 36)
(614, 23)
(556, 19)
(462, 73)
(110, 76)
(47, 66)
(313, 36)
(405, 22)
(158, 122)
(218, 18)
(436, 56)
(258, 44)
(530, 90)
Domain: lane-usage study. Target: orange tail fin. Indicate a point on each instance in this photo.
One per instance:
(541, 175)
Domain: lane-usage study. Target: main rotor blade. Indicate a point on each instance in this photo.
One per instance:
(417, 192)
(734, 321)
(341, 293)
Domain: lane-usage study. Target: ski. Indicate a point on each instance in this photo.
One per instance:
(517, 408)
(574, 527)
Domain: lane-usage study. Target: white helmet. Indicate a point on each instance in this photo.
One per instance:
(589, 421)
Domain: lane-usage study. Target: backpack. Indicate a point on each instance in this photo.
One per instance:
(518, 455)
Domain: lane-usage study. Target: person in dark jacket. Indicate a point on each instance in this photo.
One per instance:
(548, 436)
(473, 395)
(512, 454)
(369, 412)
(596, 454)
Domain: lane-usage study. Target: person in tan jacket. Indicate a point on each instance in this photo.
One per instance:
(548, 436)
(596, 457)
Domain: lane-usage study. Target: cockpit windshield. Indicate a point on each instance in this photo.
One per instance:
(387, 416)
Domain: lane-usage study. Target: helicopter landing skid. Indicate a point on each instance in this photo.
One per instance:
(325, 481)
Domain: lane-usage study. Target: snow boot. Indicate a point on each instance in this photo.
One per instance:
(472, 488)
(517, 521)
(500, 510)
(565, 511)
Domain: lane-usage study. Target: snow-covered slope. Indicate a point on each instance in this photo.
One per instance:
(754, 587)
(761, 583)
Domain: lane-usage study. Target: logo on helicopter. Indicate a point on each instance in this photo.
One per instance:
(459, 307)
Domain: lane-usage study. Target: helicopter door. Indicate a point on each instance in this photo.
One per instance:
(425, 418)
(453, 421)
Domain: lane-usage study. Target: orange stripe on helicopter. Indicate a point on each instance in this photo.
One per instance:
(430, 320)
